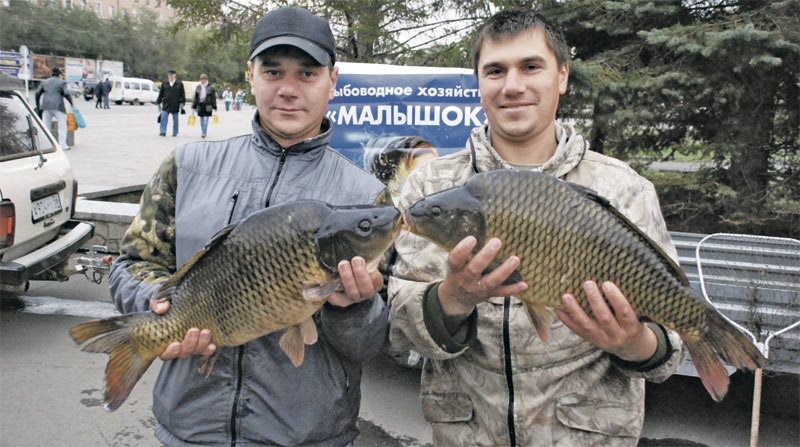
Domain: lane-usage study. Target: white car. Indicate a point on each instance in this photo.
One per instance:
(37, 197)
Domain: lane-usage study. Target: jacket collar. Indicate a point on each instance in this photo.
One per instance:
(571, 148)
(264, 142)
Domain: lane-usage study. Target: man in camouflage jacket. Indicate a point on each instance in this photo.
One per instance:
(487, 378)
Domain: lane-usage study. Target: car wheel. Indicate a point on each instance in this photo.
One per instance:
(119, 103)
(135, 102)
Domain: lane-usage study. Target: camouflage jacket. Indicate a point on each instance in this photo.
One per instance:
(254, 395)
(565, 392)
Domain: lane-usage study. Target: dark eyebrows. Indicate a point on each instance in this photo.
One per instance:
(537, 60)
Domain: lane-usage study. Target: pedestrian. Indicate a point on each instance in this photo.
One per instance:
(106, 92)
(98, 92)
(487, 378)
(227, 96)
(205, 102)
(171, 98)
(254, 395)
(52, 93)
(240, 94)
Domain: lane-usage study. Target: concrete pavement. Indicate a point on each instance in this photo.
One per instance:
(121, 147)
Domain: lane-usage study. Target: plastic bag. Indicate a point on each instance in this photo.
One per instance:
(71, 124)
(216, 119)
(79, 118)
(191, 119)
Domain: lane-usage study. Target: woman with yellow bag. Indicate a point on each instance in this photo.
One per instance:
(205, 102)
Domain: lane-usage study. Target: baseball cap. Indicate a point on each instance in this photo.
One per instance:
(296, 27)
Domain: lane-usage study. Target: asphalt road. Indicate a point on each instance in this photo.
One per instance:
(51, 391)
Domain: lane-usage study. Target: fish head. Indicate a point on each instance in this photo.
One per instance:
(447, 217)
(366, 231)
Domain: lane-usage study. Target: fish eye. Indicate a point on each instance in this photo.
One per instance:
(436, 211)
(365, 225)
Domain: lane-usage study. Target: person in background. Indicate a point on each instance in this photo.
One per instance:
(52, 93)
(240, 94)
(106, 91)
(227, 96)
(205, 102)
(254, 395)
(487, 378)
(171, 98)
(98, 93)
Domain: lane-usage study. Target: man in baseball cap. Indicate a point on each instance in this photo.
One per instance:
(289, 387)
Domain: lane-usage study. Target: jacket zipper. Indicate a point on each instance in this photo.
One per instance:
(277, 176)
(234, 199)
(234, 412)
(240, 349)
(239, 352)
(509, 378)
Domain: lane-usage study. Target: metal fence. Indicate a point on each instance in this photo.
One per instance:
(753, 281)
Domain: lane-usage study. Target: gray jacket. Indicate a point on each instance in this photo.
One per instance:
(254, 395)
(54, 91)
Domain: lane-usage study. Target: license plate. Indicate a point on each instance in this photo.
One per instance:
(45, 207)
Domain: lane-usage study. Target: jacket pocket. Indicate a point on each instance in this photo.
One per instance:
(447, 407)
(599, 416)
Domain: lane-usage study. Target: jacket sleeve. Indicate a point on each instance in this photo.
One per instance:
(360, 331)
(183, 95)
(65, 94)
(419, 266)
(148, 247)
(38, 95)
(196, 98)
(160, 94)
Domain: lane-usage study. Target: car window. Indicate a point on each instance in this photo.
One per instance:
(146, 87)
(116, 84)
(17, 139)
(127, 85)
(135, 85)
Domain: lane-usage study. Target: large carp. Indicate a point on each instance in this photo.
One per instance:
(565, 234)
(271, 271)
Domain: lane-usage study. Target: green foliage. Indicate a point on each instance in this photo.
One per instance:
(147, 48)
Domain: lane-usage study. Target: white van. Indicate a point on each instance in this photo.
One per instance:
(132, 90)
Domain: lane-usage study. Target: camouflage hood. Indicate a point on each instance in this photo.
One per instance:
(571, 149)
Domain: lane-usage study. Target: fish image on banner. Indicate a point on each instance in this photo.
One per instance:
(271, 271)
(565, 234)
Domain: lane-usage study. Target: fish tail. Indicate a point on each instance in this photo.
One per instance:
(722, 341)
(125, 366)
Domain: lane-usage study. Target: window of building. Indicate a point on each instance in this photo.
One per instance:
(110, 12)
(98, 9)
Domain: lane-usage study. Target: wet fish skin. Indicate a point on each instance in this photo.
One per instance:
(271, 271)
(564, 235)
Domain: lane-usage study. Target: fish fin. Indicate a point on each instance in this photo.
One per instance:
(671, 265)
(709, 367)
(292, 344)
(165, 291)
(315, 290)
(207, 363)
(722, 340)
(309, 330)
(541, 317)
(125, 366)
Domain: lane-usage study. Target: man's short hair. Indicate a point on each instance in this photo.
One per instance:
(509, 23)
(56, 71)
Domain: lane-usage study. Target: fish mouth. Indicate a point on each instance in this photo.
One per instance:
(407, 223)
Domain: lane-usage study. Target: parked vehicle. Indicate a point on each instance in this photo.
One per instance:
(132, 90)
(38, 192)
(73, 89)
(88, 89)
